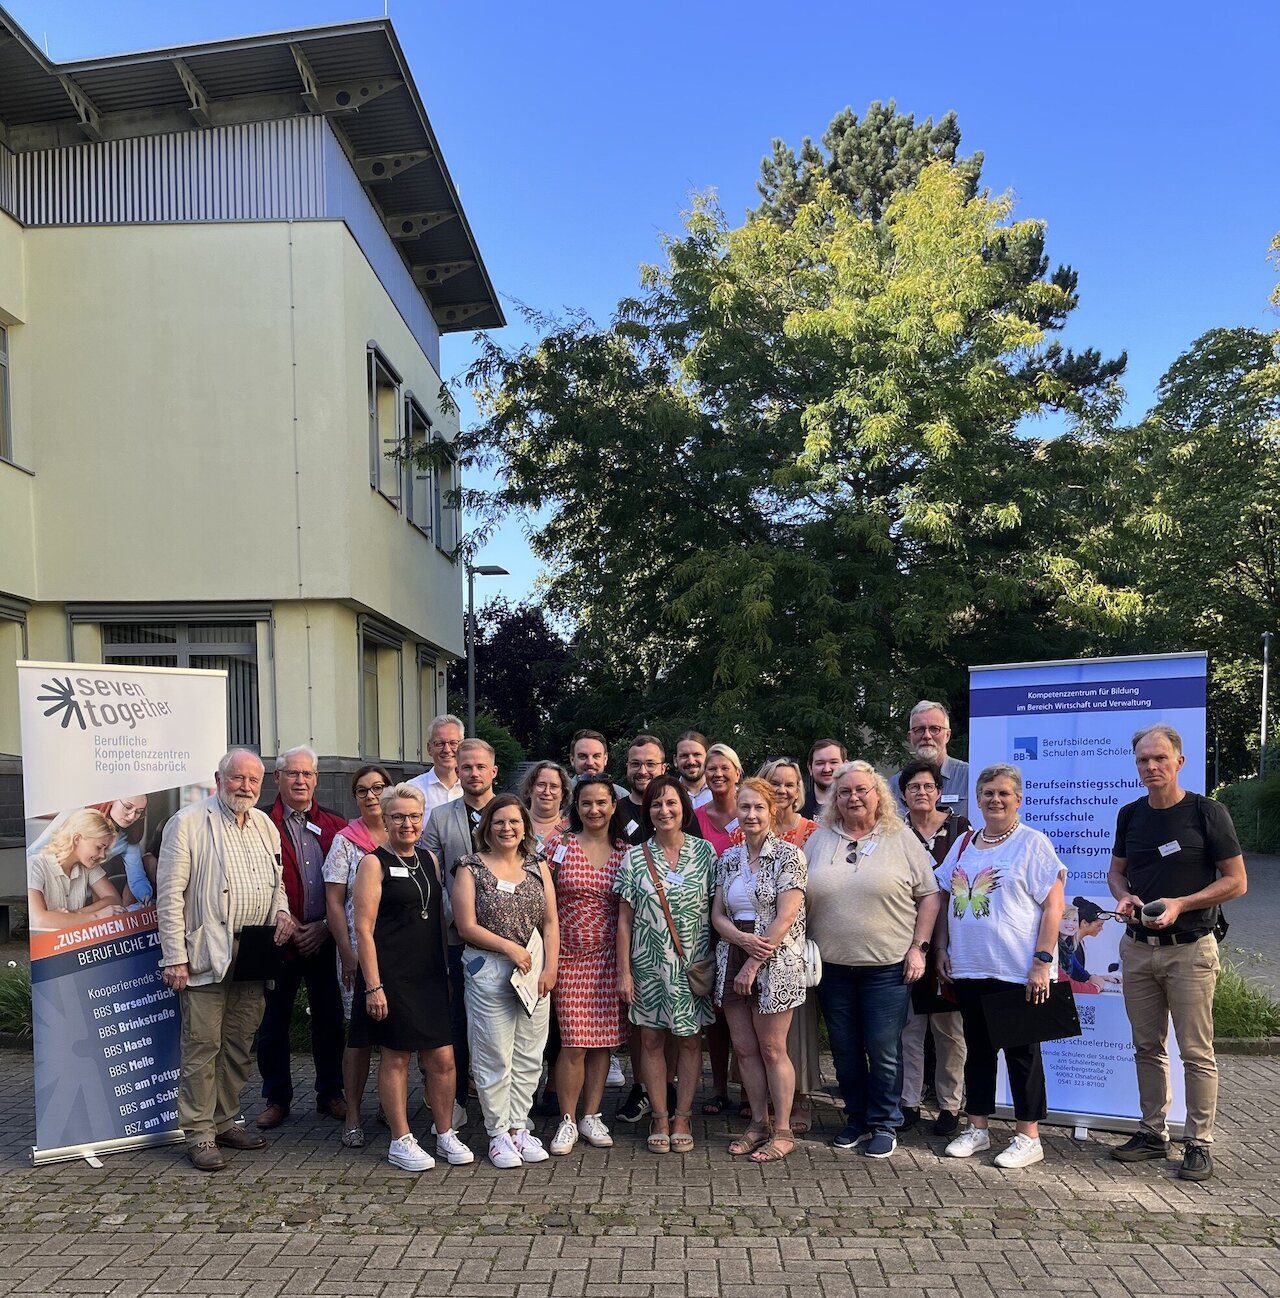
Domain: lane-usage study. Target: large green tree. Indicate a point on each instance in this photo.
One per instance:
(789, 486)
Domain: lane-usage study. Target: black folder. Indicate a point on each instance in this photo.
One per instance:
(1012, 1020)
(258, 959)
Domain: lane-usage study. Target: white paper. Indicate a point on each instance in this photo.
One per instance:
(526, 984)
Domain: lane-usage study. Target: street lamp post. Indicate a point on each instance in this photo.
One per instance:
(1266, 671)
(481, 570)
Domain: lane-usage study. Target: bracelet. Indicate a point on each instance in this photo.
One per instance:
(371, 990)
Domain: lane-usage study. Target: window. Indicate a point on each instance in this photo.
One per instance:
(445, 508)
(428, 708)
(419, 482)
(381, 692)
(6, 426)
(370, 739)
(217, 646)
(385, 436)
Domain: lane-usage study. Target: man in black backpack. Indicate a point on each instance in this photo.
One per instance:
(1176, 860)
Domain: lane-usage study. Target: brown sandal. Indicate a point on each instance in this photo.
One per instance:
(772, 1151)
(756, 1134)
(659, 1142)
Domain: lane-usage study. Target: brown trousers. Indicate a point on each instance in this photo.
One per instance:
(218, 1023)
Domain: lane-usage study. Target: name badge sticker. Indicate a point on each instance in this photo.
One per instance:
(870, 847)
(504, 886)
(631, 827)
(674, 879)
(398, 871)
(559, 854)
(949, 799)
(731, 825)
(315, 829)
(1168, 849)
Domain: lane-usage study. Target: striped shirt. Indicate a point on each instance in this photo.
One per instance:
(250, 869)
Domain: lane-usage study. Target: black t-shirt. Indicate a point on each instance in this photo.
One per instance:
(1173, 852)
(632, 820)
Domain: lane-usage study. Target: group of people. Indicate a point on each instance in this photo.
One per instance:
(493, 934)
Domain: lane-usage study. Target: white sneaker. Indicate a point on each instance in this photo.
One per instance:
(566, 1136)
(459, 1119)
(407, 1153)
(502, 1153)
(1021, 1151)
(616, 1077)
(449, 1146)
(529, 1147)
(594, 1132)
(972, 1140)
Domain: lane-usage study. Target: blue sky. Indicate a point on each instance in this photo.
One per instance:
(1144, 134)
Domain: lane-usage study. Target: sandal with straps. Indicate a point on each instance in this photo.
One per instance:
(659, 1142)
(682, 1141)
(757, 1134)
(772, 1151)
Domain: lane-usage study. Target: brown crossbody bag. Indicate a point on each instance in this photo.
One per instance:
(701, 974)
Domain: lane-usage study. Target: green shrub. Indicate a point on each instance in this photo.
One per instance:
(15, 1001)
(1254, 805)
(1243, 1008)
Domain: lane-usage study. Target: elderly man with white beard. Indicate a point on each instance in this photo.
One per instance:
(928, 731)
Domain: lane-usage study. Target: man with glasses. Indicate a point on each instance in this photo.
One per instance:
(306, 834)
(440, 783)
(928, 731)
(450, 835)
(646, 759)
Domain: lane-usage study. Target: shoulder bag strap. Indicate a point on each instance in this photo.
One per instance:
(662, 897)
(968, 838)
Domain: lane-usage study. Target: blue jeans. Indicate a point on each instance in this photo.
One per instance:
(865, 1008)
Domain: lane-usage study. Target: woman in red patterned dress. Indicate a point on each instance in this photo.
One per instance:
(585, 859)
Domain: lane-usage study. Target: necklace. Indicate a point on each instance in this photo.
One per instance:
(999, 838)
(414, 870)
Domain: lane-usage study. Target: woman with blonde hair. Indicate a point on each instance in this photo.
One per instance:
(66, 884)
(718, 818)
(126, 816)
(872, 902)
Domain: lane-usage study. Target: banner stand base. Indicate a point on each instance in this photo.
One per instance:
(91, 1152)
(1081, 1132)
(1086, 1123)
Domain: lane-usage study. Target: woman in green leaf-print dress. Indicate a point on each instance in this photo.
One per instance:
(651, 977)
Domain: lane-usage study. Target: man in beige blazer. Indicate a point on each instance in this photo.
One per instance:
(219, 871)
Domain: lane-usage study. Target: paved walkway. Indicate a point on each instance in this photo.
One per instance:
(309, 1217)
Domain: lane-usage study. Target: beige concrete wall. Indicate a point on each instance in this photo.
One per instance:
(317, 676)
(10, 652)
(17, 536)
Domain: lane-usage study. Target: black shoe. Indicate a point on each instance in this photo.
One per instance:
(635, 1106)
(1197, 1163)
(910, 1117)
(1141, 1147)
(548, 1106)
(948, 1123)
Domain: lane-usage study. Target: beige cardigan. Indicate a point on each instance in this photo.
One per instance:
(191, 890)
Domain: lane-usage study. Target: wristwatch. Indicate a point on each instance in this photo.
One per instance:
(1045, 957)
(922, 947)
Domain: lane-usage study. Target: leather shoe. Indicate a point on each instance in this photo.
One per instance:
(334, 1107)
(272, 1116)
(205, 1158)
(239, 1138)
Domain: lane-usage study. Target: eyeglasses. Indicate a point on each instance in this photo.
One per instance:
(645, 766)
(405, 817)
(445, 743)
(928, 730)
(375, 789)
(299, 775)
(851, 856)
(921, 788)
(849, 791)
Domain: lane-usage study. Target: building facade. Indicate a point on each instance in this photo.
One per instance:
(224, 275)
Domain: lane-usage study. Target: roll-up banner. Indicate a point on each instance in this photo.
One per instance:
(1068, 727)
(108, 754)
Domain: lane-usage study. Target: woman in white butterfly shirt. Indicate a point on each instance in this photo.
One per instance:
(997, 928)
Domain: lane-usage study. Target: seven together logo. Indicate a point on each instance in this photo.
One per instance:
(102, 704)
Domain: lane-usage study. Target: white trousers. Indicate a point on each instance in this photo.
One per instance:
(948, 1049)
(506, 1043)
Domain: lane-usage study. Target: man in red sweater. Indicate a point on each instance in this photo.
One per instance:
(306, 833)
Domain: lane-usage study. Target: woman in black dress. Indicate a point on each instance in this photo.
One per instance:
(401, 999)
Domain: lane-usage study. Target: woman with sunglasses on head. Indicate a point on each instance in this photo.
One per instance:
(872, 903)
(401, 996)
(363, 834)
(585, 860)
(937, 827)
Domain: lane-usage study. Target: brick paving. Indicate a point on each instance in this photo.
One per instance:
(308, 1217)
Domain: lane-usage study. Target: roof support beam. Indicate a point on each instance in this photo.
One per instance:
(195, 92)
(453, 317)
(428, 276)
(90, 118)
(387, 166)
(344, 98)
(409, 225)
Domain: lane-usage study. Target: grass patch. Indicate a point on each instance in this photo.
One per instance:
(15, 1001)
(1243, 1008)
